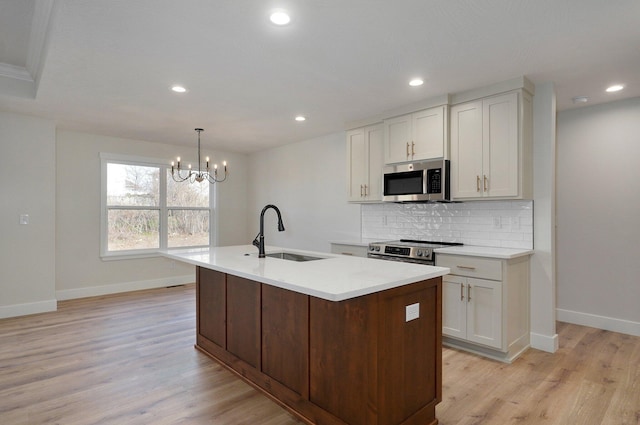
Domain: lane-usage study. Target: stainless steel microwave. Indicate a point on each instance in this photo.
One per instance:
(417, 182)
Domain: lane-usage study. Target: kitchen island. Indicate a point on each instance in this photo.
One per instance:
(334, 339)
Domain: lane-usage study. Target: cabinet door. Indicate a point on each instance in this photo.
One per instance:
(285, 337)
(398, 139)
(454, 306)
(466, 150)
(428, 134)
(212, 308)
(484, 312)
(500, 135)
(357, 172)
(374, 137)
(243, 319)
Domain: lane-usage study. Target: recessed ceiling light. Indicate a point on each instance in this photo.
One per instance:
(416, 82)
(614, 88)
(580, 99)
(178, 89)
(301, 118)
(280, 17)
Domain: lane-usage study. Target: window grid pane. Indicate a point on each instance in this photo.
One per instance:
(188, 227)
(133, 229)
(133, 185)
(187, 194)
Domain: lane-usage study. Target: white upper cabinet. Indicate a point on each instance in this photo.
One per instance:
(365, 162)
(491, 142)
(417, 136)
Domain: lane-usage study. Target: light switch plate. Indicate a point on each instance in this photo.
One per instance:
(412, 312)
(24, 218)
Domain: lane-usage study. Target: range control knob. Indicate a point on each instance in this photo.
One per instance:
(377, 248)
(372, 248)
(419, 253)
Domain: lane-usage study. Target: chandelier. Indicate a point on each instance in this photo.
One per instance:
(200, 175)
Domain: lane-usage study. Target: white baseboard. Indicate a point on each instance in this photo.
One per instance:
(544, 342)
(15, 310)
(599, 322)
(94, 291)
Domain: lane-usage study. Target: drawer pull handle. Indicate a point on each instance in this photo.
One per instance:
(466, 267)
(346, 253)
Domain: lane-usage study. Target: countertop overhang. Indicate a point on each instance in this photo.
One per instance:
(333, 277)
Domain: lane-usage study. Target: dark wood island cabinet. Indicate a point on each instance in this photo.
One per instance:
(360, 361)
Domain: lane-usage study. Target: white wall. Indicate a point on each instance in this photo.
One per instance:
(307, 182)
(598, 205)
(79, 269)
(27, 182)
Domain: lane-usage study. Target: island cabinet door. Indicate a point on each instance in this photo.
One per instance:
(342, 358)
(243, 319)
(212, 306)
(410, 353)
(373, 360)
(285, 338)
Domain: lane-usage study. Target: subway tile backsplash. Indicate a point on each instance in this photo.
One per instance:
(505, 224)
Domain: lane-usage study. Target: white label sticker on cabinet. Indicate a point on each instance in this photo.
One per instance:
(412, 312)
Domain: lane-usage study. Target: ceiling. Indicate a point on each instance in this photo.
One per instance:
(106, 67)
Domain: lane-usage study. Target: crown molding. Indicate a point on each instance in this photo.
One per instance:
(39, 37)
(23, 81)
(13, 71)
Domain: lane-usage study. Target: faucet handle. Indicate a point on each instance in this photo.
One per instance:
(256, 241)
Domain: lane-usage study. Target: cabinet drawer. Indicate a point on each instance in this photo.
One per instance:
(355, 250)
(485, 268)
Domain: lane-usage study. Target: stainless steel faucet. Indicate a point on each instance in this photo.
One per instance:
(259, 240)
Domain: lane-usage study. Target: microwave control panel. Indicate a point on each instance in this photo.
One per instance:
(434, 180)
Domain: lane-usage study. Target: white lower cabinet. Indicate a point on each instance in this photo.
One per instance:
(485, 305)
(472, 310)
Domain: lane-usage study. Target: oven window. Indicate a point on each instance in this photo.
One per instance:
(406, 183)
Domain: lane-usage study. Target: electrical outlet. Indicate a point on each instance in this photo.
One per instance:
(412, 312)
(515, 223)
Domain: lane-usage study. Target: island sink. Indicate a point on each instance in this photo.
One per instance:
(293, 256)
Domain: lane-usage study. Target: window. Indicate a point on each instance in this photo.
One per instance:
(144, 210)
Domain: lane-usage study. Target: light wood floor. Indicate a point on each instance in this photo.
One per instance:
(129, 359)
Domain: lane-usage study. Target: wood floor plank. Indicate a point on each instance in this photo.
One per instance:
(129, 358)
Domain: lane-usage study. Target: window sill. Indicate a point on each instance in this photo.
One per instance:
(132, 256)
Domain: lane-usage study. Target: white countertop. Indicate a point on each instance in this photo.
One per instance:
(334, 277)
(485, 251)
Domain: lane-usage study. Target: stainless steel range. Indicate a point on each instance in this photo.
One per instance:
(407, 250)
